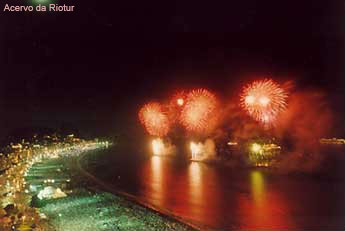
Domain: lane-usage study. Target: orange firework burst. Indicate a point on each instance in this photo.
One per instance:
(264, 100)
(199, 110)
(153, 118)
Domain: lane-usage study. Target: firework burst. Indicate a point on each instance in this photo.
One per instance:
(153, 118)
(199, 111)
(264, 100)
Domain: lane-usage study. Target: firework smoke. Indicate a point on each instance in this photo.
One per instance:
(264, 100)
(159, 147)
(154, 120)
(238, 125)
(307, 119)
(298, 130)
(203, 151)
(199, 112)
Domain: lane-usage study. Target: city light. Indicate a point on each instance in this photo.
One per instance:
(256, 148)
(263, 155)
(332, 141)
(16, 192)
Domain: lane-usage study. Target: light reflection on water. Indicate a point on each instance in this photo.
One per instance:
(195, 182)
(195, 188)
(266, 210)
(257, 186)
(203, 194)
(235, 199)
(157, 174)
(156, 179)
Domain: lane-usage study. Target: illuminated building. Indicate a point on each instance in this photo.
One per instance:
(263, 155)
(332, 141)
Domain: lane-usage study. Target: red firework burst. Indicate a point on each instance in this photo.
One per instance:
(264, 100)
(199, 110)
(153, 118)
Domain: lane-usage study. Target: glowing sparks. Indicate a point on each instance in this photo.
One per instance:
(175, 106)
(203, 150)
(264, 100)
(250, 99)
(154, 119)
(162, 147)
(199, 110)
(158, 146)
(180, 101)
(196, 149)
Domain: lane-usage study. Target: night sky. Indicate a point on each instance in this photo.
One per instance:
(91, 69)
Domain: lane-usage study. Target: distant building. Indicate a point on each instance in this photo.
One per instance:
(263, 155)
(332, 141)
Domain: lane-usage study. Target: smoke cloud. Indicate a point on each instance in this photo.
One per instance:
(307, 119)
(163, 147)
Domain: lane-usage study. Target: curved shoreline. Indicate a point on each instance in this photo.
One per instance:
(109, 188)
(88, 208)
